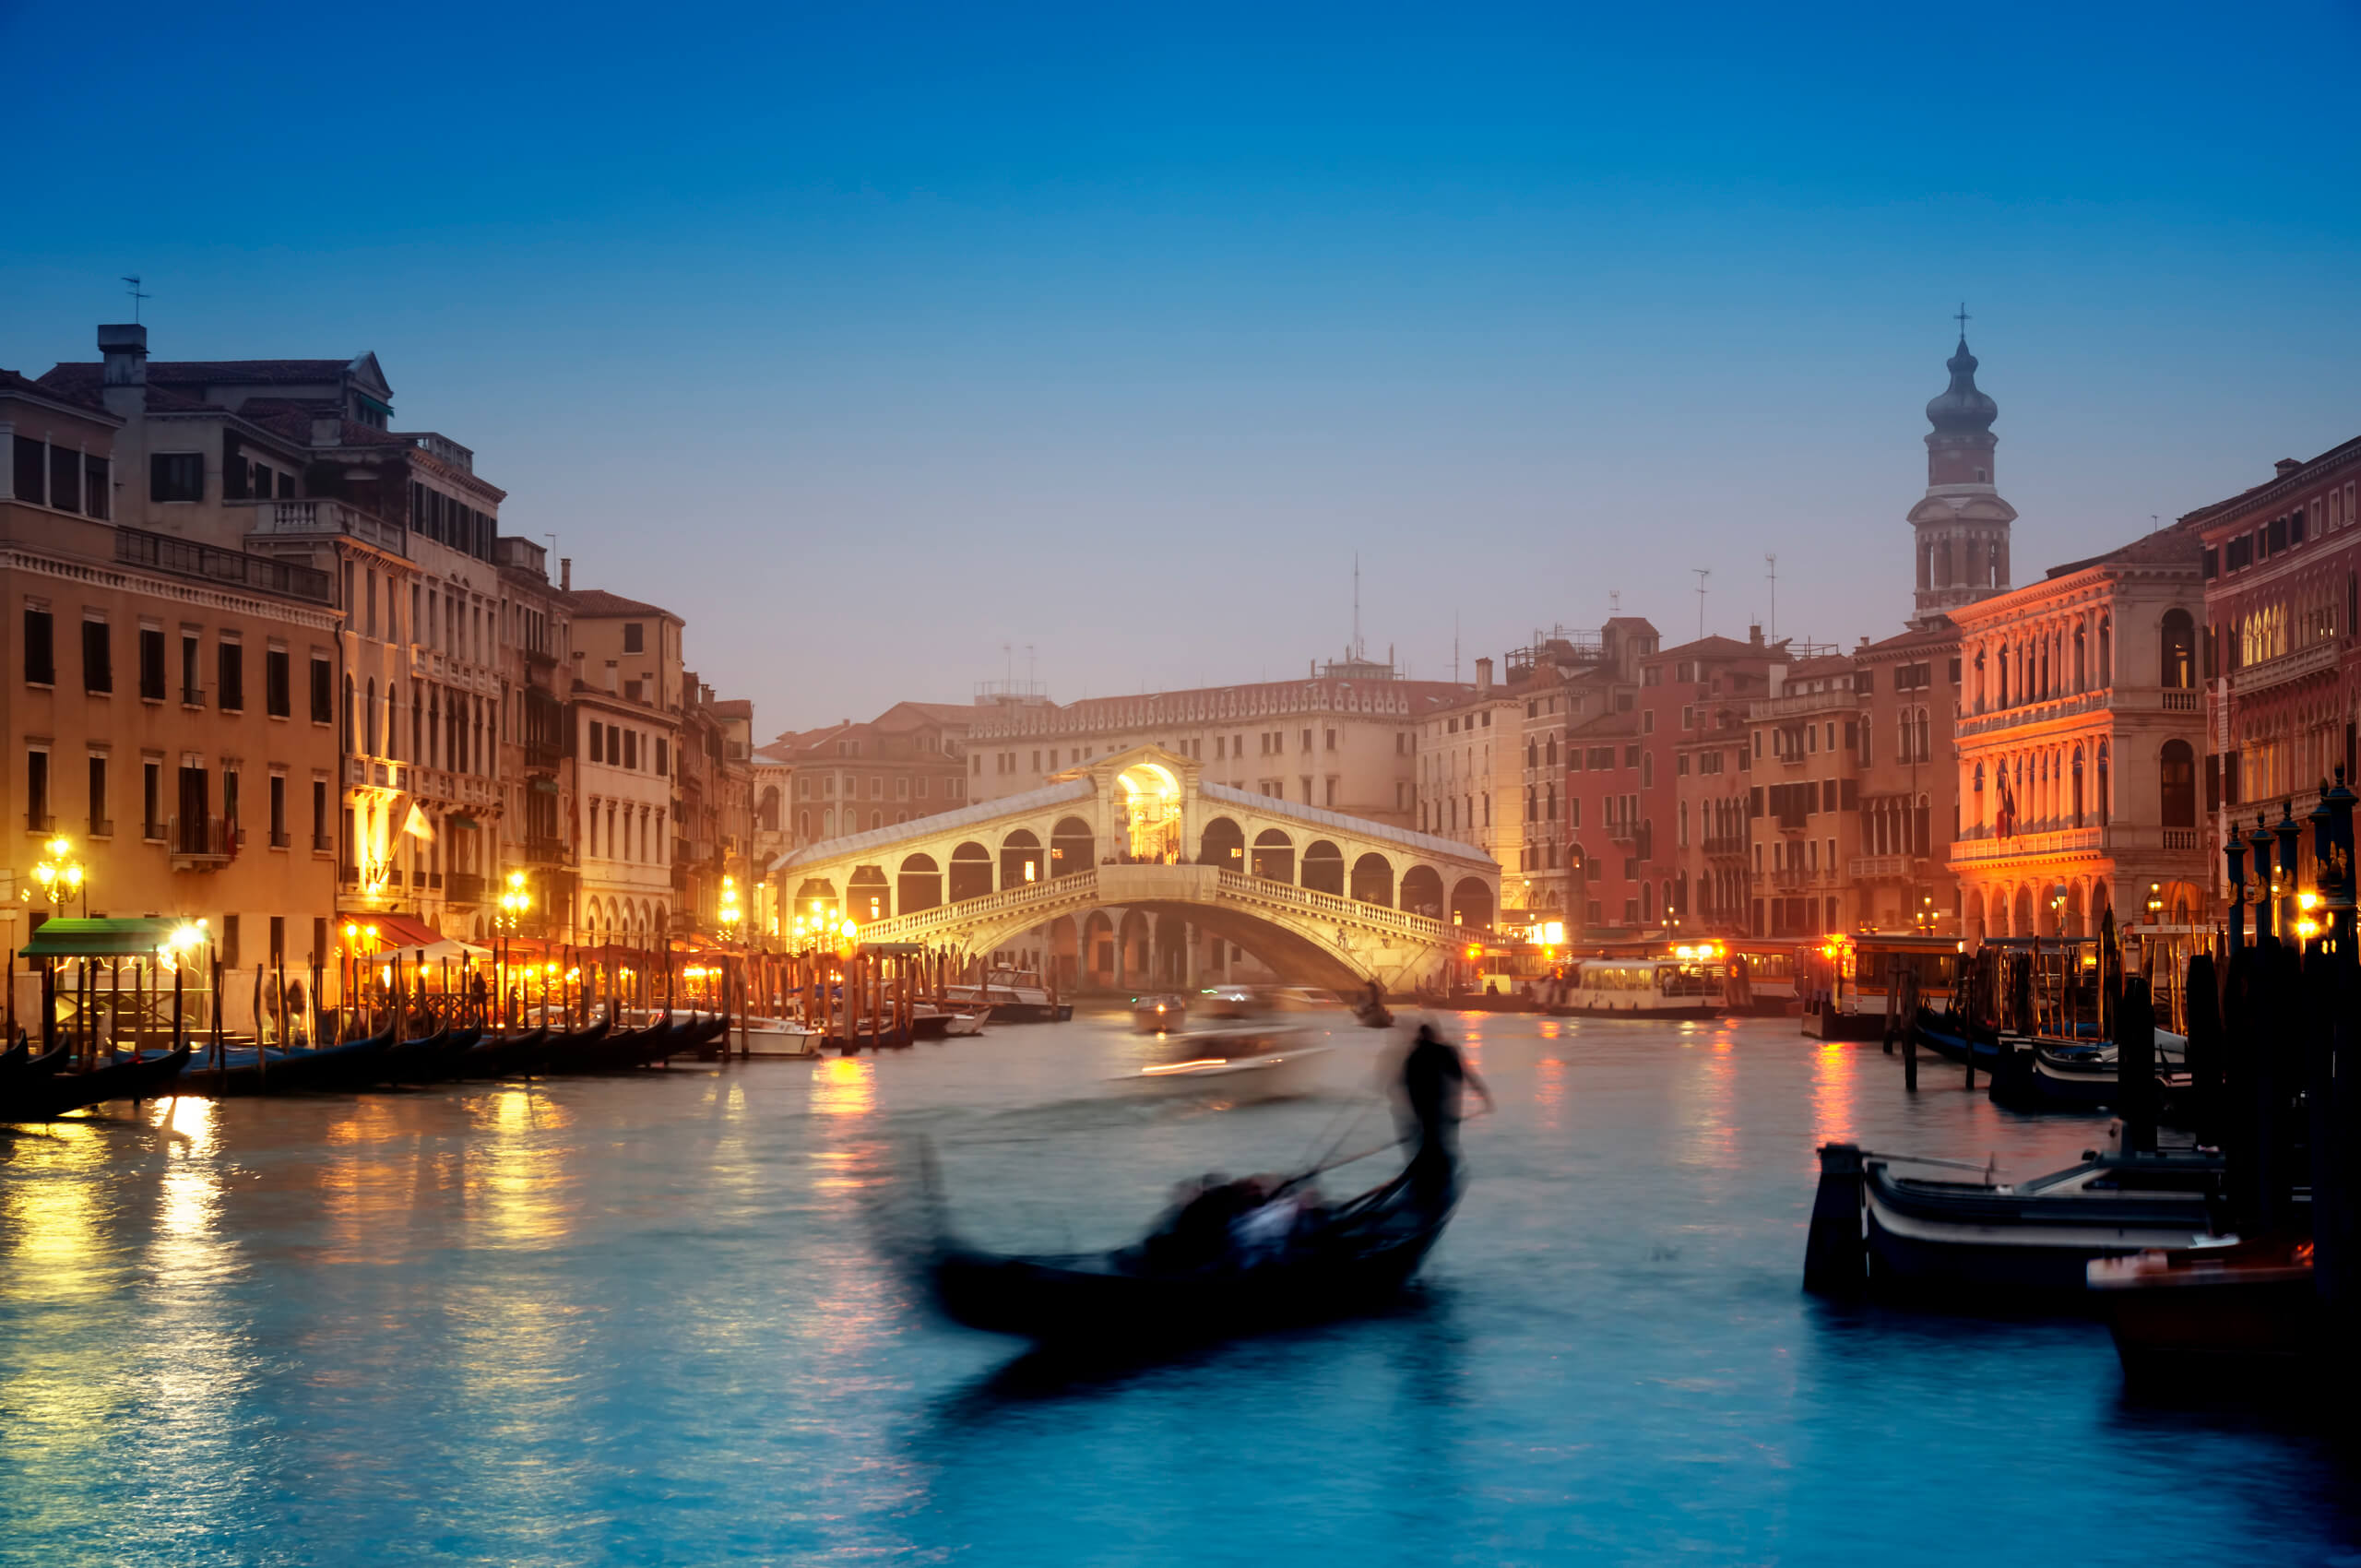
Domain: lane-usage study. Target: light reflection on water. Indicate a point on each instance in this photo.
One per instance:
(655, 1320)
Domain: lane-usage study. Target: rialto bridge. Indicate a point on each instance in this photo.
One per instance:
(1132, 871)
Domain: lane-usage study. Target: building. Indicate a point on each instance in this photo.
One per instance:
(1804, 751)
(2281, 571)
(909, 761)
(1699, 694)
(1909, 692)
(714, 808)
(2079, 744)
(168, 704)
(1609, 832)
(626, 697)
(1471, 779)
(1343, 738)
(1961, 525)
(536, 763)
(1553, 674)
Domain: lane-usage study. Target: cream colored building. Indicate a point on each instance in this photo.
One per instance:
(1471, 777)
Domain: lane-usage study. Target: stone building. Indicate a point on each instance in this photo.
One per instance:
(168, 704)
(2079, 743)
(1909, 692)
(2282, 661)
(1700, 692)
(1804, 752)
(1961, 525)
(1471, 782)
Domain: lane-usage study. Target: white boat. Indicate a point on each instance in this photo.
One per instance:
(1649, 988)
(774, 1037)
(1014, 996)
(964, 1024)
(1257, 1063)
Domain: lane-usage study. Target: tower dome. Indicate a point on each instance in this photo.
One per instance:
(1962, 409)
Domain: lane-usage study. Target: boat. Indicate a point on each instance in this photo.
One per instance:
(962, 1026)
(52, 1094)
(497, 1056)
(243, 1071)
(1955, 1038)
(1242, 1063)
(1353, 1258)
(1159, 1014)
(1229, 1002)
(2211, 1313)
(1015, 996)
(561, 1050)
(1374, 1016)
(1916, 1235)
(1651, 988)
(1856, 987)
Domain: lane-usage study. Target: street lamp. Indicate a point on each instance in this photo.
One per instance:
(730, 913)
(1926, 921)
(60, 875)
(2155, 903)
(515, 901)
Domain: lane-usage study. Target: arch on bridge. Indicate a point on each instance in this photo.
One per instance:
(918, 885)
(1323, 867)
(1020, 860)
(1065, 952)
(1098, 948)
(1471, 904)
(1373, 880)
(1171, 966)
(868, 895)
(1135, 949)
(814, 900)
(1151, 812)
(1223, 844)
(1071, 847)
(1422, 892)
(1273, 856)
(971, 871)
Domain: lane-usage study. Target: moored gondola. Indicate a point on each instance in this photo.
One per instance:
(497, 1056)
(355, 1064)
(558, 1053)
(54, 1094)
(1348, 1259)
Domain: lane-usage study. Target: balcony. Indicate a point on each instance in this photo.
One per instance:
(186, 558)
(1882, 868)
(101, 827)
(1793, 879)
(280, 839)
(544, 852)
(191, 697)
(1980, 848)
(323, 844)
(1727, 846)
(539, 658)
(376, 773)
(464, 887)
(201, 843)
(2286, 667)
(327, 517)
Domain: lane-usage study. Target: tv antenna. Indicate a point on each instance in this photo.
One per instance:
(1614, 601)
(131, 281)
(1772, 563)
(1357, 605)
(1703, 573)
(1455, 648)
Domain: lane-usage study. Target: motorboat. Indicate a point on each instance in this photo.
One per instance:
(1230, 1002)
(777, 1037)
(1911, 1235)
(1015, 996)
(1159, 1014)
(1650, 988)
(964, 1025)
(1241, 1063)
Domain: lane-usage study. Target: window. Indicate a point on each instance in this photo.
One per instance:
(151, 800)
(230, 663)
(631, 747)
(97, 658)
(101, 826)
(663, 756)
(191, 691)
(2179, 639)
(278, 811)
(177, 476)
(151, 663)
(277, 701)
(635, 639)
(40, 652)
(37, 817)
(2176, 779)
(323, 691)
(229, 942)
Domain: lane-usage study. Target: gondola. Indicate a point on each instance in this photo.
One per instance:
(419, 1061)
(558, 1053)
(1956, 1039)
(355, 1064)
(497, 1056)
(57, 1093)
(1374, 1016)
(1358, 1256)
(18, 1067)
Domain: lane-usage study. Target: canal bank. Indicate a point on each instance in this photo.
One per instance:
(651, 1320)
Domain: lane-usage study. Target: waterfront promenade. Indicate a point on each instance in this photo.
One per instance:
(651, 1321)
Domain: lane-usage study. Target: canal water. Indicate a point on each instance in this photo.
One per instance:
(658, 1320)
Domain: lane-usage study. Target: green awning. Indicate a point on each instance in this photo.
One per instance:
(127, 938)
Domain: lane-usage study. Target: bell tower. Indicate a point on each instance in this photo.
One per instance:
(1961, 526)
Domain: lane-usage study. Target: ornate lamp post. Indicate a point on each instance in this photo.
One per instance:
(514, 899)
(60, 875)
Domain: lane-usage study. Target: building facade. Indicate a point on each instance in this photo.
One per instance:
(1804, 746)
(2078, 745)
(1909, 696)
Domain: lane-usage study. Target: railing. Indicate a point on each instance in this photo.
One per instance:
(2178, 700)
(323, 844)
(1980, 844)
(544, 851)
(2040, 710)
(1792, 879)
(101, 827)
(1264, 890)
(328, 517)
(2180, 838)
(464, 886)
(201, 843)
(183, 557)
(191, 697)
(1870, 867)
(1727, 844)
(280, 839)
(40, 822)
(2285, 667)
(377, 772)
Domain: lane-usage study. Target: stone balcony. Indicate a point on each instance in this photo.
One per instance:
(2288, 667)
(1981, 848)
(318, 517)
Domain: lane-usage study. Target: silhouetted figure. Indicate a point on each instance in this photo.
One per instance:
(1433, 1078)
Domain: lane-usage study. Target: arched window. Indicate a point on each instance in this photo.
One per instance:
(2179, 638)
(2106, 651)
(1550, 753)
(2107, 794)
(2082, 656)
(2176, 781)
(2078, 785)
(1926, 753)
(369, 719)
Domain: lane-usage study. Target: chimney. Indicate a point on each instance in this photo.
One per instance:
(1483, 676)
(1754, 635)
(124, 382)
(565, 574)
(2285, 466)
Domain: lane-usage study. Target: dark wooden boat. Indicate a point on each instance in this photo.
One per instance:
(1374, 1016)
(54, 1094)
(1356, 1258)
(1956, 1039)
(21, 1067)
(497, 1056)
(12, 1060)
(560, 1051)
(678, 1040)
(355, 1064)
(2199, 1319)
(419, 1061)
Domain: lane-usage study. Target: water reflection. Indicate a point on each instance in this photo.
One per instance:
(844, 1086)
(1833, 1068)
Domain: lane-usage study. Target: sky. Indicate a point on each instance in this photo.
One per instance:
(900, 348)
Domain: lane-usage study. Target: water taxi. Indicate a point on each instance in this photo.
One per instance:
(1651, 988)
(1014, 996)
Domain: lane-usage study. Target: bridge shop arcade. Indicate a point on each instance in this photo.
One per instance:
(1131, 870)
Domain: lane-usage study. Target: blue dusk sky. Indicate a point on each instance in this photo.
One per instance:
(870, 339)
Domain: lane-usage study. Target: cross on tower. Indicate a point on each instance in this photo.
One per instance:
(1962, 318)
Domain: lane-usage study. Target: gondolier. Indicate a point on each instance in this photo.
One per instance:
(1433, 1076)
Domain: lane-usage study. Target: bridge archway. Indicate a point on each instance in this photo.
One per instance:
(971, 871)
(1020, 860)
(919, 885)
(1422, 892)
(868, 896)
(1223, 844)
(1373, 880)
(1098, 948)
(814, 900)
(1072, 847)
(1471, 905)
(1323, 867)
(1273, 856)
(1065, 951)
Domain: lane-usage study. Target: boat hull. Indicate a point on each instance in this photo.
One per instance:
(1957, 1240)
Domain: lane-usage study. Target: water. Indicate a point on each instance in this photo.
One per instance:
(648, 1321)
